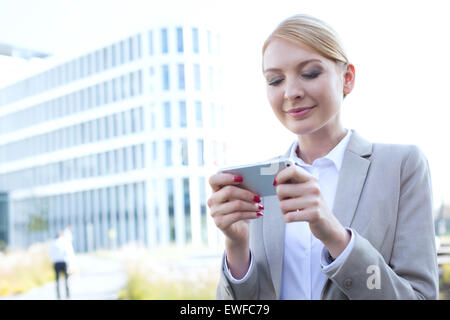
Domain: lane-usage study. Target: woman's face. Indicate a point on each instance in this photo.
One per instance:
(302, 80)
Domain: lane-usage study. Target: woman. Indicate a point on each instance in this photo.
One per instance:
(355, 221)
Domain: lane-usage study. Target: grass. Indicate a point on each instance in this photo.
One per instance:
(21, 271)
(170, 274)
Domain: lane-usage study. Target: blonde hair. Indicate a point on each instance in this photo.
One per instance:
(313, 33)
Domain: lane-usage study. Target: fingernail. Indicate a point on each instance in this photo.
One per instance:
(259, 214)
(274, 182)
(238, 179)
(260, 207)
(256, 199)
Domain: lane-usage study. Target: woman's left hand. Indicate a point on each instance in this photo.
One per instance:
(297, 189)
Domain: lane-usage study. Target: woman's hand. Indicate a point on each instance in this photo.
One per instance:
(232, 207)
(303, 193)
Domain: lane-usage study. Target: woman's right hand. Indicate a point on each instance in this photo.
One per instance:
(232, 206)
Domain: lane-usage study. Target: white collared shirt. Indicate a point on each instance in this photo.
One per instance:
(305, 258)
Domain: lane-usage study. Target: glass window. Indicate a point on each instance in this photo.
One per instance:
(154, 150)
(132, 84)
(131, 48)
(171, 210)
(90, 58)
(164, 41)
(97, 61)
(198, 114)
(200, 158)
(184, 152)
(150, 42)
(133, 120)
(105, 59)
(165, 75)
(183, 117)
(197, 84)
(113, 55)
(122, 52)
(195, 40)
(167, 114)
(114, 90)
(168, 147)
(203, 216)
(122, 87)
(140, 82)
(180, 44)
(139, 46)
(181, 80)
(82, 59)
(106, 92)
(187, 209)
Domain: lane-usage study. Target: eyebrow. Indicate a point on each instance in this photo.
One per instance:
(301, 64)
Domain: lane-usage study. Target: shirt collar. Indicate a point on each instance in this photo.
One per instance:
(336, 155)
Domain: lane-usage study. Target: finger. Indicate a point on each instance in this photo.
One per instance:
(306, 215)
(235, 206)
(291, 205)
(231, 192)
(295, 190)
(293, 173)
(218, 180)
(225, 221)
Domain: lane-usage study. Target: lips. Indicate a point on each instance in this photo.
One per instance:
(296, 110)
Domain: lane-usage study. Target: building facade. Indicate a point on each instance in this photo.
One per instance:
(117, 143)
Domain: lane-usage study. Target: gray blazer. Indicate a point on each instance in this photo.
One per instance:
(384, 196)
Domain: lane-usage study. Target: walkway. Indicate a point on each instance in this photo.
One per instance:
(96, 279)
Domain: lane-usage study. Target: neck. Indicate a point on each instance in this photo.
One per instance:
(319, 143)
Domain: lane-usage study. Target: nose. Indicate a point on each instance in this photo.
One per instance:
(293, 90)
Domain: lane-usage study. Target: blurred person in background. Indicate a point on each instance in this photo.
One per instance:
(62, 254)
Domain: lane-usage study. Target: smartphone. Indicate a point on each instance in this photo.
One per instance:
(258, 177)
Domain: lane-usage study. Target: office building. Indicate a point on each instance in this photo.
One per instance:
(117, 143)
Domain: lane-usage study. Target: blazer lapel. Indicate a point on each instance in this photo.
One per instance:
(351, 178)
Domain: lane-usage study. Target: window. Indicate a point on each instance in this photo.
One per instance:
(197, 84)
(181, 81)
(184, 152)
(105, 58)
(201, 161)
(164, 42)
(168, 147)
(131, 48)
(180, 44)
(139, 46)
(154, 151)
(150, 42)
(167, 115)
(171, 210)
(122, 52)
(165, 75)
(183, 120)
(198, 114)
(187, 209)
(113, 55)
(195, 40)
(131, 84)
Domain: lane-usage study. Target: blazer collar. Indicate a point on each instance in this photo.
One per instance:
(351, 180)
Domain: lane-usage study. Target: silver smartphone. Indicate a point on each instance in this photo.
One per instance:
(258, 177)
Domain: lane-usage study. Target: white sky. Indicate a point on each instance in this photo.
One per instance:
(400, 50)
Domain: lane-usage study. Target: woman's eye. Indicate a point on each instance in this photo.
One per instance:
(311, 75)
(275, 82)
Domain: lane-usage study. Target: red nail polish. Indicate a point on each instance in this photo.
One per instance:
(260, 207)
(274, 182)
(259, 214)
(256, 199)
(238, 179)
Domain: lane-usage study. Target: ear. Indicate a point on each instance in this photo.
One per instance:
(349, 79)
